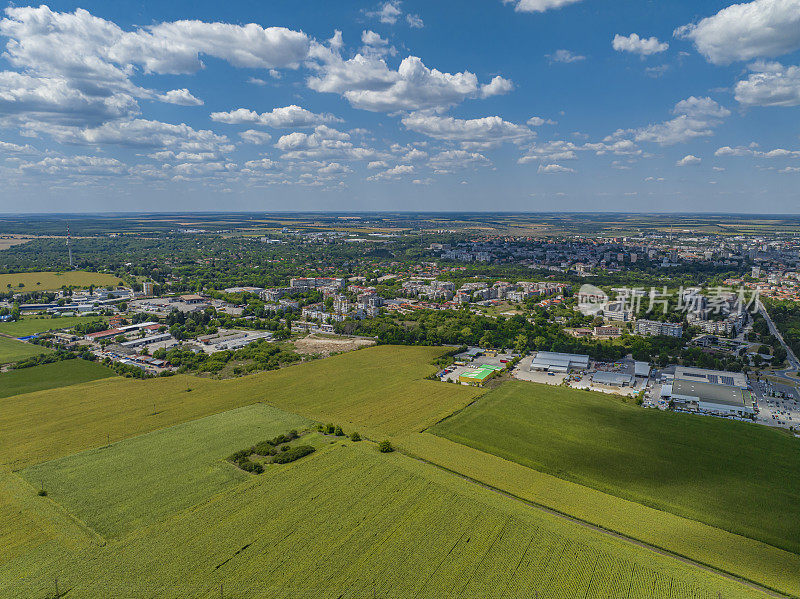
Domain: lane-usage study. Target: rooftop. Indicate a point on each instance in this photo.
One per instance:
(709, 392)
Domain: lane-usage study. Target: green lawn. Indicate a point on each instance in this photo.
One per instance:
(737, 476)
(33, 325)
(50, 281)
(349, 522)
(141, 480)
(49, 376)
(12, 350)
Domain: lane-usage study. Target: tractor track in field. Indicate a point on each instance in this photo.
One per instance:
(608, 532)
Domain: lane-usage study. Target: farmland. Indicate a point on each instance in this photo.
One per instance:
(50, 376)
(179, 466)
(731, 475)
(12, 350)
(725, 551)
(50, 281)
(31, 326)
(388, 397)
(141, 500)
(348, 521)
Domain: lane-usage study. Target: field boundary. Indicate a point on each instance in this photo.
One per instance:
(418, 442)
(54, 508)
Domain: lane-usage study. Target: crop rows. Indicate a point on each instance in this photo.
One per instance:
(387, 397)
(749, 558)
(350, 522)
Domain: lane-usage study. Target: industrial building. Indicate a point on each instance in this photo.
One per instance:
(612, 379)
(558, 362)
(641, 369)
(478, 375)
(733, 379)
(709, 391)
(146, 340)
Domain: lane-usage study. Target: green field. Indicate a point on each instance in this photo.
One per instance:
(731, 475)
(50, 376)
(720, 549)
(159, 513)
(350, 522)
(12, 350)
(378, 391)
(31, 326)
(178, 467)
(50, 281)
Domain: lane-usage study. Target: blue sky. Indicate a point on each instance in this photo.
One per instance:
(522, 105)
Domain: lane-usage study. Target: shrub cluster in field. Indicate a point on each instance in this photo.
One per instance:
(278, 448)
(335, 429)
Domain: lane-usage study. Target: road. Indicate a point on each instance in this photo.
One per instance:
(794, 364)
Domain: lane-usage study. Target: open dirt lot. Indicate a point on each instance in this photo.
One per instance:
(323, 344)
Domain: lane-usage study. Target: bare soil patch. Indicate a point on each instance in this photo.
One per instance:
(318, 344)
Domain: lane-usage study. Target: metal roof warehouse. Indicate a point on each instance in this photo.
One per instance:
(713, 398)
(558, 362)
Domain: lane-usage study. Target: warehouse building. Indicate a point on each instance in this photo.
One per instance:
(146, 340)
(558, 362)
(641, 369)
(715, 377)
(479, 375)
(612, 379)
(709, 391)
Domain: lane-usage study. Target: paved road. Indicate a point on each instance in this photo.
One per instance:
(794, 363)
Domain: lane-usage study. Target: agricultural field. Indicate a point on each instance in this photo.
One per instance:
(750, 559)
(33, 325)
(51, 281)
(350, 522)
(731, 475)
(140, 498)
(50, 376)
(178, 466)
(379, 391)
(12, 350)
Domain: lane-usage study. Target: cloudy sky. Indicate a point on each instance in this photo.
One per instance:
(498, 105)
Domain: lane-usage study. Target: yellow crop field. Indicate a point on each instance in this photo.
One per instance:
(50, 281)
(350, 522)
(379, 391)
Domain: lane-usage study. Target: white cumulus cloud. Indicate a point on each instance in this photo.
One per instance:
(770, 84)
(490, 129)
(695, 117)
(688, 160)
(368, 83)
(552, 169)
(181, 97)
(759, 29)
(538, 5)
(286, 116)
(638, 45)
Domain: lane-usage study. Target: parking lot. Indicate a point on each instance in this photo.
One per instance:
(523, 373)
(778, 404)
(576, 379)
